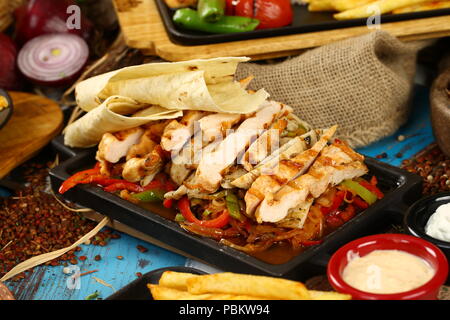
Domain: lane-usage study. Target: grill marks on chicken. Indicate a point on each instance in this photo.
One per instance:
(336, 163)
(287, 170)
(213, 165)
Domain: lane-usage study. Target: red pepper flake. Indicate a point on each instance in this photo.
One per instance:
(139, 274)
(141, 248)
(82, 258)
(119, 257)
(73, 261)
(98, 257)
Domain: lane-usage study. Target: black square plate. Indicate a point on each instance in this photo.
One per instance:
(401, 189)
(304, 21)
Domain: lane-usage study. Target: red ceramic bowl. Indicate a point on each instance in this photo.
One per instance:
(419, 247)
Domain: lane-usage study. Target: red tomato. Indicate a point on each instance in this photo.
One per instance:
(270, 13)
(244, 8)
(273, 13)
(229, 7)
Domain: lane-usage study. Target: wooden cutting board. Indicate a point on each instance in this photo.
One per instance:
(34, 122)
(143, 29)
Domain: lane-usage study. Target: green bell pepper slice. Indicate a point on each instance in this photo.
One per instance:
(152, 195)
(364, 193)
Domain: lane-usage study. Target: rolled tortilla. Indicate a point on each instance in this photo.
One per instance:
(188, 85)
(112, 116)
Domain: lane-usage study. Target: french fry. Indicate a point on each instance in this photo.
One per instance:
(382, 6)
(434, 5)
(343, 5)
(248, 285)
(321, 5)
(328, 295)
(163, 293)
(175, 280)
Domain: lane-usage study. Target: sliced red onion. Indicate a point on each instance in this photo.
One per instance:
(53, 59)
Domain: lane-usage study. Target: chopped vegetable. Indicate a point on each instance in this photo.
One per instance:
(153, 195)
(124, 185)
(179, 218)
(233, 205)
(361, 191)
(190, 19)
(211, 10)
(371, 187)
(185, 209)
(82, 177)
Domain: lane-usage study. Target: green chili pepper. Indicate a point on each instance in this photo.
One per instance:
(233, 205)
(211, 10)
(364, 193)
(190, 19)
(153, 195)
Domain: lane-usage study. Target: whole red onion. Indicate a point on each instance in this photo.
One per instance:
(9, 75)
(37, 17)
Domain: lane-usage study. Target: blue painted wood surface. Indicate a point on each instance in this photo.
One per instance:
(51, 283)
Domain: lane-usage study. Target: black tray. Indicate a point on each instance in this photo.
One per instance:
(401, 189)
(138, 290)
(304, 21)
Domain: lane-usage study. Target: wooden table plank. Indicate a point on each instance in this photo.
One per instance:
(143, 29)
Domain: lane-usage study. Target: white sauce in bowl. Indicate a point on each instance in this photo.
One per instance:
(438, 226)
(387, 272)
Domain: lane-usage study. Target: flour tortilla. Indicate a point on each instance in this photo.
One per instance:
(111, 116)
(203, 84)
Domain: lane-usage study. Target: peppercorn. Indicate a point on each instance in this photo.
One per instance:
(141, 248)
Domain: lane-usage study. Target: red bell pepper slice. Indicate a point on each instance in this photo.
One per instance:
(348, 213)
(82, 177)
(372, 188)
(337, 201)
(185, 208)
(124, 185)
(308, 243)
(360, 203)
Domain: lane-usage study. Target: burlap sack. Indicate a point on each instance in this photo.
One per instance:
(363, 84)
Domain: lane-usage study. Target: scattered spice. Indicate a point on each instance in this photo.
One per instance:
(382, 155)
(434, 168)
(34, 222)
(138, 274)
(98, 257)
(141, 248)
(82, 258)
(119, 257)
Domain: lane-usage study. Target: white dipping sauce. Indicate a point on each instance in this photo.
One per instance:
(387, 272)
(438, 226)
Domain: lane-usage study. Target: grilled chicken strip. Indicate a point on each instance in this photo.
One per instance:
(287, 170)
(268, 165)
(336, 163)
(177, 133)
(266, 143)
(144, 169)
(115, 146)
(213, 128)
(212, 165)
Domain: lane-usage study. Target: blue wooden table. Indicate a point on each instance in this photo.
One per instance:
(50, 283)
